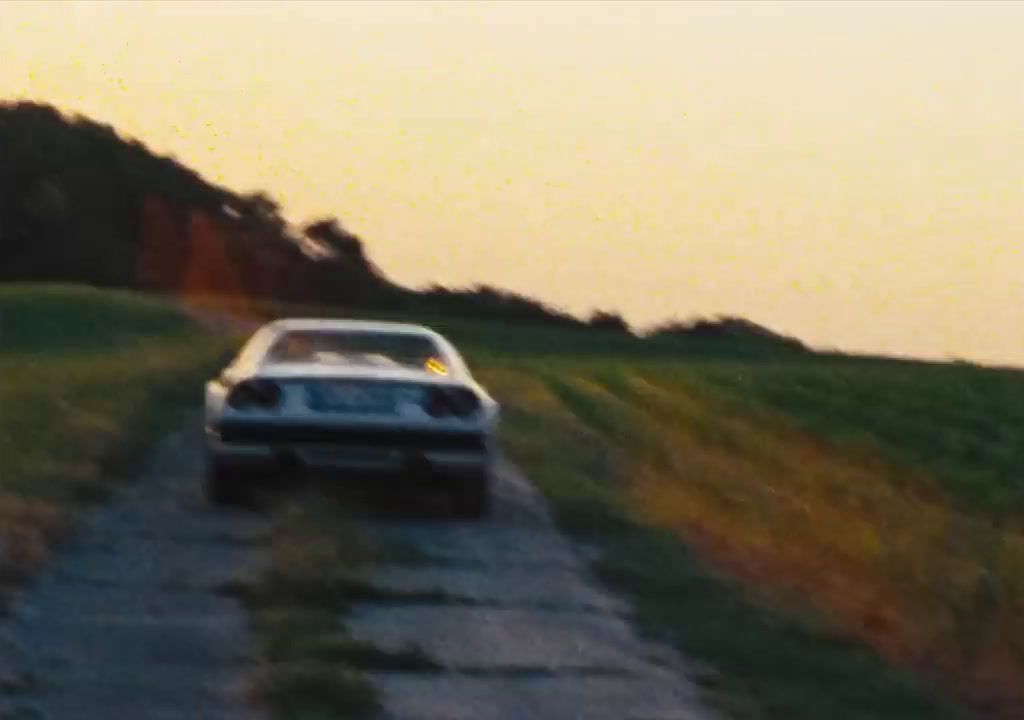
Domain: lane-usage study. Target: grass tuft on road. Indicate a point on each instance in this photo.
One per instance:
(311, 666)
(309, 689)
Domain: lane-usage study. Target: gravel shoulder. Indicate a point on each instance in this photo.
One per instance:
(128, 621)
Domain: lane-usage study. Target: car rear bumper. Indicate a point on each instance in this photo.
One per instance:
(330, 449)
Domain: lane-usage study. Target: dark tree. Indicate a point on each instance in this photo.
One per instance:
(726, 328)
(609, 321)
(262, 212)
(329, 234)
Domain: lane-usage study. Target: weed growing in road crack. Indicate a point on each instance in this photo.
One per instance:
(310, 664)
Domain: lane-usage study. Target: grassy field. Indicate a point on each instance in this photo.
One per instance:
(959, 424)
(88, 381)
(821, 531)
(835, 537)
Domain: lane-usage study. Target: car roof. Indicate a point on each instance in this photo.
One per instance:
(344, 324)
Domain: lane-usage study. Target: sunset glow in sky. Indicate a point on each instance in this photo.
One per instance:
(849, 173)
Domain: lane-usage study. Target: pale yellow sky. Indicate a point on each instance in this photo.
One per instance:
(849, 173)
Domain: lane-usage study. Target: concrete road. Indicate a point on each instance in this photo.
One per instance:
(521, 630)
(128, 621)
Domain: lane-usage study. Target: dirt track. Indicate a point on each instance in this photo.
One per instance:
(128, 622)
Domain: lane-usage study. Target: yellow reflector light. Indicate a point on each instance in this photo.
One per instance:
(436, 366)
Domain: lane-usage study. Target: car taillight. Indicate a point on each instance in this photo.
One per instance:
(464, 402)
(445, 402)
(255, 395)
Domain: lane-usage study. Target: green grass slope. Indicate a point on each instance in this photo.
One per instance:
(959, 423)
(840, 539)
(88, 380)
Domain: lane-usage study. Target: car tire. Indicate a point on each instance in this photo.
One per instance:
(223, 486)
(472, 496)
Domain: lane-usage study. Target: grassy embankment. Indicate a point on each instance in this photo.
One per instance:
(820, 530)
(88, 381)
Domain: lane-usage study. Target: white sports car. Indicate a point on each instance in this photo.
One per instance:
(350, 396)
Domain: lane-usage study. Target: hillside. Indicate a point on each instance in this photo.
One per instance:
(80, 203)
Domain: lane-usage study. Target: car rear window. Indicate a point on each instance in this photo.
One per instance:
(361, 348)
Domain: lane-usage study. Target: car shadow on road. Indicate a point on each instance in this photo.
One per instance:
(382, 500)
